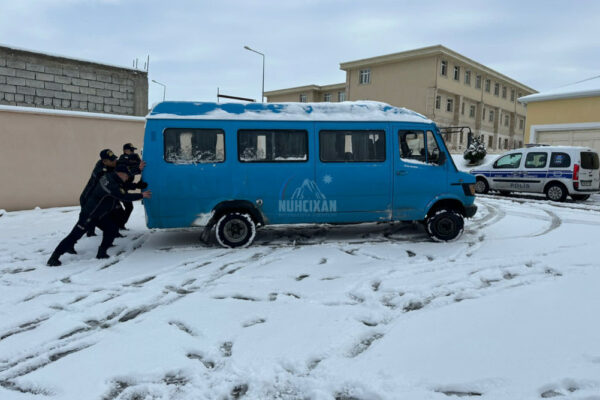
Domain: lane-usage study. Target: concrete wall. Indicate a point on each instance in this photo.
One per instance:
(47, 156)
(564, 111)
(32, 79)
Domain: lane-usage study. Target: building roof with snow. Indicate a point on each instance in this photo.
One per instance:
(345, 111)
(586, 88)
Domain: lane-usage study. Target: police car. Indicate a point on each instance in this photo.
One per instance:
(557, 171)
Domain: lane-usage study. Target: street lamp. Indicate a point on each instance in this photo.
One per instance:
(262, 99)
(164, 88)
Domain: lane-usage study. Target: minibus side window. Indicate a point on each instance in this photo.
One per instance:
(560, 160)
(536, 160)
(412, 145)
(272, 145)
(509, 161)
(194, 146)
(433, 151)
(352, 145)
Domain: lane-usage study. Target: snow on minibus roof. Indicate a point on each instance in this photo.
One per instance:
(344, 111)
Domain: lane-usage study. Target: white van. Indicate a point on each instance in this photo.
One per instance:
(557, 171)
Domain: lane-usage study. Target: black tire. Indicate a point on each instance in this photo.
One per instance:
(481, 186)
(445, 225)
(556, 192)
(235, 229)
(580, 197)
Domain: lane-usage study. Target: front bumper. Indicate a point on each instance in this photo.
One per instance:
(470, 210)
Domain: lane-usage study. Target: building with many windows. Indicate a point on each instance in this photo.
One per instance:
(443, 85)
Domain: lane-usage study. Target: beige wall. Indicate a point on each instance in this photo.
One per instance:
(564, 111)
(46, 159)
(408, 84)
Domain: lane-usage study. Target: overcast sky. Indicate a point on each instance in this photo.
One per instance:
(197, 46)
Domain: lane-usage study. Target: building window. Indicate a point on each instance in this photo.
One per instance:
(449, 105)
(472, 111)
(273, 145)
(521, 123)
(487, 85)
(499, 143)
(341, 96)
(364, 76)
(496, 89)
(520, 95)
(438, 102)
(506, 143)
(503, 92)
(512, 95)
(490, 141)
(505, 119)
(483, 114)
(327, 97)
(491, 115)
(462, 109)
(478, 82)
(444, 68)
(468, 78)
(302, 98)
(457, 73)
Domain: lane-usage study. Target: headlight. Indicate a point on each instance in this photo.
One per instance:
(472, 189)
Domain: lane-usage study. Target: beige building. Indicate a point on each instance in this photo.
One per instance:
(569, 115)
(443, 85)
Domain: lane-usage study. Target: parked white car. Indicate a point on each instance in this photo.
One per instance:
(557, 171)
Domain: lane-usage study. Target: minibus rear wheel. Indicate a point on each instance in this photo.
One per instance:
(445, 225)
(235, 229)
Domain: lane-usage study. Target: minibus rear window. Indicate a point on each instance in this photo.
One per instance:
(589, 160)
(560, 160)
(194, 146)
(272, 145)
(352, 146)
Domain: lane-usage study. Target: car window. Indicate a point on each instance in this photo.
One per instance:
(412, 145)
(352, 145)
(509, 161)
(536, 160)
(194, 146)
(433, 151)
(589, 160)
(272, 145)
(560, 160)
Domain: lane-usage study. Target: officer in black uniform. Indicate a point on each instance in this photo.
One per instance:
(135, 165)
(97, 211)
(107, 163)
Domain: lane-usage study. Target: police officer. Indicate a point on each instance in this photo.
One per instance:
(132, 160)
(97, 210)
(107, 162)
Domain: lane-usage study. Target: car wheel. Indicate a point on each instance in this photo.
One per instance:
(556, 192)
(445, 225)
(235, 229)
(481, 186)
(580, 197)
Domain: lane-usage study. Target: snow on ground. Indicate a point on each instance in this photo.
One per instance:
(372, 311)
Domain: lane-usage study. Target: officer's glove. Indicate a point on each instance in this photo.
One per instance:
(142, 185)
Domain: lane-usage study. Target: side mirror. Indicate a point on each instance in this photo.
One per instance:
(442, 158)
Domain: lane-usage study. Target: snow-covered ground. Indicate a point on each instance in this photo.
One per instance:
(373, 311)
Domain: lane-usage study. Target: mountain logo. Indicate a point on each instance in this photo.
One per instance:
(307, 198)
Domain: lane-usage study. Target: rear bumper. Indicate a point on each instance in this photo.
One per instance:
(470, 210)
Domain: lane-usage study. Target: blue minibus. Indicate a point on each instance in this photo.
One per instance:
(237, 167)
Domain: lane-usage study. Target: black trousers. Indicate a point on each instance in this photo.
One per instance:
(107, 224)
(128, 205)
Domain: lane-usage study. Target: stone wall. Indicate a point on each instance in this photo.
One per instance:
(32, 79)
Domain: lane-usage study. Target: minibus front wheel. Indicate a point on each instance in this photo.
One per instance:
(235, 229)
(445, 225)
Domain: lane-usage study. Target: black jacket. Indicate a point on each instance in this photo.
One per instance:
(132, 161)
(99, 170)
(104, 197)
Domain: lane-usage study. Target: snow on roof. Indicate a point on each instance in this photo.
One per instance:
(586, 88)
(345, 111)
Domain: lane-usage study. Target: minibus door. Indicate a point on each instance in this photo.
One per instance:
(420, 174)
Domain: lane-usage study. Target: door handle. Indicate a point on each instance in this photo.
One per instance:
(401, 172)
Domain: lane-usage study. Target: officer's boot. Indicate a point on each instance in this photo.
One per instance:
(71, 250)
(54, 261)
(102, 253)
(91, 232)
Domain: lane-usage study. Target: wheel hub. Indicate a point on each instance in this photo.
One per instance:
(555, 193)
(235, 231)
